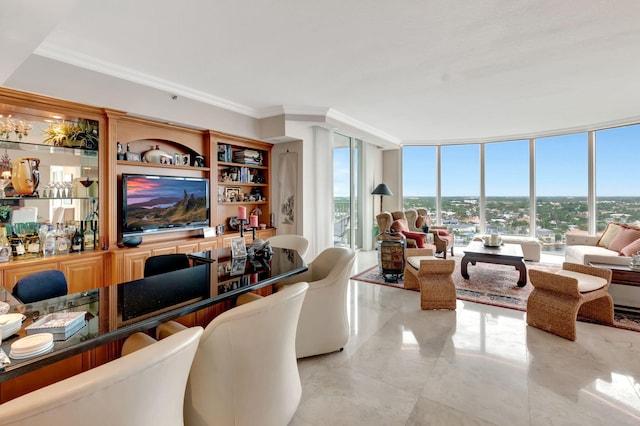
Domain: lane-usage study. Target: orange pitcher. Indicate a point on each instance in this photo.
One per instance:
(25, 176)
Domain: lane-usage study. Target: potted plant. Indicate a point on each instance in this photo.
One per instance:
(81, 134)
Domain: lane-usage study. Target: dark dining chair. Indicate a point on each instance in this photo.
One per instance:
(164, 263)
(40, 286)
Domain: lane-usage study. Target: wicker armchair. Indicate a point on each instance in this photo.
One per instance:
(384, 220)
(557, 299)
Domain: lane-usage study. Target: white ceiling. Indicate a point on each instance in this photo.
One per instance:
(406, 71)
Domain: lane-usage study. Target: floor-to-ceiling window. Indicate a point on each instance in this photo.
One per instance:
(460, 189)
(347, 166)
(617, 196)
(562, 188)
(579, 182)
(419, 178)
(506, 178)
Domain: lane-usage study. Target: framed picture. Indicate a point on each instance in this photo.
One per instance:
(166, 159)
(186, 160)
(238, 265)
(132, 156)
(232, 192)
(238, 249)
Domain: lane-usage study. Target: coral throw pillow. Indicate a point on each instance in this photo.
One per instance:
(623, 238)
(631, 249)
(609, 234)
(444, 232)
(399, 225)
(419, 237)
(419, 221)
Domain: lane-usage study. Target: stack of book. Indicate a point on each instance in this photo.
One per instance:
(248, 156)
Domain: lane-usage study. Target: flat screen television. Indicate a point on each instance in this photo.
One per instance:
(154, 203)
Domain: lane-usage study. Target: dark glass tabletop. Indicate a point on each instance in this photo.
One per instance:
(117, 311)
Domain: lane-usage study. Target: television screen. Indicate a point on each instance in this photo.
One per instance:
(153, 203)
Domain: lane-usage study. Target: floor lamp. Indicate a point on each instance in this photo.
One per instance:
(382, 190)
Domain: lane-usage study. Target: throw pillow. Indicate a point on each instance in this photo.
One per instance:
(609, 234)
(419, 237)
(631, 249)
(419, 222)
(399, 225)
(443, 232)
(623, 238)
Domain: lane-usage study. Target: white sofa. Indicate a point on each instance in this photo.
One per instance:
(583, 249)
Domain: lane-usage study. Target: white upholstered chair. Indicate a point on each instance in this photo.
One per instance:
(291, 241)
(324, 326)
(245, 371)
(143, 388)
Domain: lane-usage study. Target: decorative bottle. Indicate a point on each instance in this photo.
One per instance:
(49, 247)
(88, 236)
(62, 242)
(33, 246)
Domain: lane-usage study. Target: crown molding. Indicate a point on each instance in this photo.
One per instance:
(52, 51)
(531, 135)
(366, 128)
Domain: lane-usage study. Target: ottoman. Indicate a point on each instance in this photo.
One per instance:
(437, 289)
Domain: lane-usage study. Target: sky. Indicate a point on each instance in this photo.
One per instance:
(561, 164)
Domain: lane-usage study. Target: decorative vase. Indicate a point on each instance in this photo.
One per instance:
(156, 155)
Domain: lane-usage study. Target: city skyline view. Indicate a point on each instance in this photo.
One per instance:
(561, 184)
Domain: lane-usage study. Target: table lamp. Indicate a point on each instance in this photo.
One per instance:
(382, 190)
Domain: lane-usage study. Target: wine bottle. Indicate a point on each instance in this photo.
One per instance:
(76, 242)
(81, 235)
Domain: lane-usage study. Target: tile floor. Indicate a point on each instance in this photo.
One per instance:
(478, 365)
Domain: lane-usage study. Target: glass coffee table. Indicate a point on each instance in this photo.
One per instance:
(505, 254)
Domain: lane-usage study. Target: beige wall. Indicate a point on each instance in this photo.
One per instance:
(392, 176)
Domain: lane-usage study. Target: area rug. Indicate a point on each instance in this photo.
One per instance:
(495, 285)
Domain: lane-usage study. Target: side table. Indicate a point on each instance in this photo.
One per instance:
(391, 258)
(625, 285)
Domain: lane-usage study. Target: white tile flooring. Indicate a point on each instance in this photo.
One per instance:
(478, 365)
